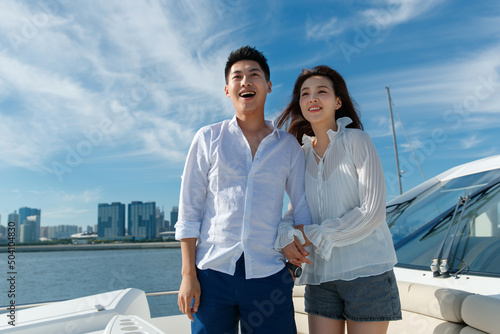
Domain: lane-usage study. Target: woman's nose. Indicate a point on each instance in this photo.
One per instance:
(313, 98)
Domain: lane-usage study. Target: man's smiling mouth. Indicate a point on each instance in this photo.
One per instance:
(247, 94)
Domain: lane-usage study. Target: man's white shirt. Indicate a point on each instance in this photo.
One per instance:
(233, 203)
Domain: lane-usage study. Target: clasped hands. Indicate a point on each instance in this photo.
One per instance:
(295, 251)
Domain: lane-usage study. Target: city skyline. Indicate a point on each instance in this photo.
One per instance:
(99, 104)
(21, 215)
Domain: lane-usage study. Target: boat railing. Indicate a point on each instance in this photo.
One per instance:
(24, 306)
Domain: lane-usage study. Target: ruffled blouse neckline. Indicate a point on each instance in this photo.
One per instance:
(341, 125)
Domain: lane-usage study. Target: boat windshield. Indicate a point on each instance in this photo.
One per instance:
(433, 220)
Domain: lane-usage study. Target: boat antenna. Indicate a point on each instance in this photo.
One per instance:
(394, 139)
(409, 144)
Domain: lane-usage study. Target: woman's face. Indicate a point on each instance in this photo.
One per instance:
(318, 101)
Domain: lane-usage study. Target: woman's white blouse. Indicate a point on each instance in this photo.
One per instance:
(346, 195)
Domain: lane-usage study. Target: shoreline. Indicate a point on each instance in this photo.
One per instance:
(90, 247)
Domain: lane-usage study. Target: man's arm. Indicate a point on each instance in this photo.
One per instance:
(187, 229)
(295, 188)
(292, 249)
(189, 292)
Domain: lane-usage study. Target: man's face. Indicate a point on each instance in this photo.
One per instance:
(247, 87)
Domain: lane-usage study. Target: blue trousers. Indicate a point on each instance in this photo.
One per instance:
(260, 305)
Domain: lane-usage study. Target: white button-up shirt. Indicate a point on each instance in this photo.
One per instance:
(233, 204)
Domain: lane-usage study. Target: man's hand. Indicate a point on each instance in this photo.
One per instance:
(189, 293)
(295, 253)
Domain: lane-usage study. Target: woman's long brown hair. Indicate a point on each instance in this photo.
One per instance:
(298, 124)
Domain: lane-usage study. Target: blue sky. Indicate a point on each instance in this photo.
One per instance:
(99, 100)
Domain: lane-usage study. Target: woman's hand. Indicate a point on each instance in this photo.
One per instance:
(296, 253)
(301, 229)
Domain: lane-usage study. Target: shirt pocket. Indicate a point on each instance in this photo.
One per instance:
(227, 189)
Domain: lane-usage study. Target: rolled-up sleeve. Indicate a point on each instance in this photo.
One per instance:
(298, 212)
(287, 232)
(193, 188)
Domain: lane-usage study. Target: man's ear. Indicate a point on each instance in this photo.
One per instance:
(269, 87)
(226, 90)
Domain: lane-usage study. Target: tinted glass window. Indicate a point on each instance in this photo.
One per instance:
(471, 239)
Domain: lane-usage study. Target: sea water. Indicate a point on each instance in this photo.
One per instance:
(61, 275)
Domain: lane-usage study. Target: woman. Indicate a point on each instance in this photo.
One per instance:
(351, 279)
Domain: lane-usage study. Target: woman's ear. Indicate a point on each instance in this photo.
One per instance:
(338, 103)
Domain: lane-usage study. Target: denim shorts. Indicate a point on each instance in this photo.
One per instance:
(372, 298)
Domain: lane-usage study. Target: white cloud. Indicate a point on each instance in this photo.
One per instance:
(324, 30)
(164, 138)
(382, 16)
(460, 91)
(86, 66)
(86, 196)
(392, 12)
(471, 142)
(63, 213)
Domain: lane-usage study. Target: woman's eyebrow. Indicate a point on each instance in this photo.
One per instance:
(322, 86)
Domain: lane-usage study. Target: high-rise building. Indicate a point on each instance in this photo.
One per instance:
(3, 230)
(142, 219)
(111, 220)
(44, 233)
(62, 231)
(14, 218)
(174, 215)
(26, 212)
(29, 228)
(160, 221)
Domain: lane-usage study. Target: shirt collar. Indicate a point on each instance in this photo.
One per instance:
(234, 122)
(341, 125)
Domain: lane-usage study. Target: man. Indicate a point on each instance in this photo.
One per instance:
(230, 207)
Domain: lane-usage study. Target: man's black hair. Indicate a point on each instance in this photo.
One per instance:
(247, 53)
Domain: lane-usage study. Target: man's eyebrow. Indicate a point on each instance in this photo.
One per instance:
(256, 69)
